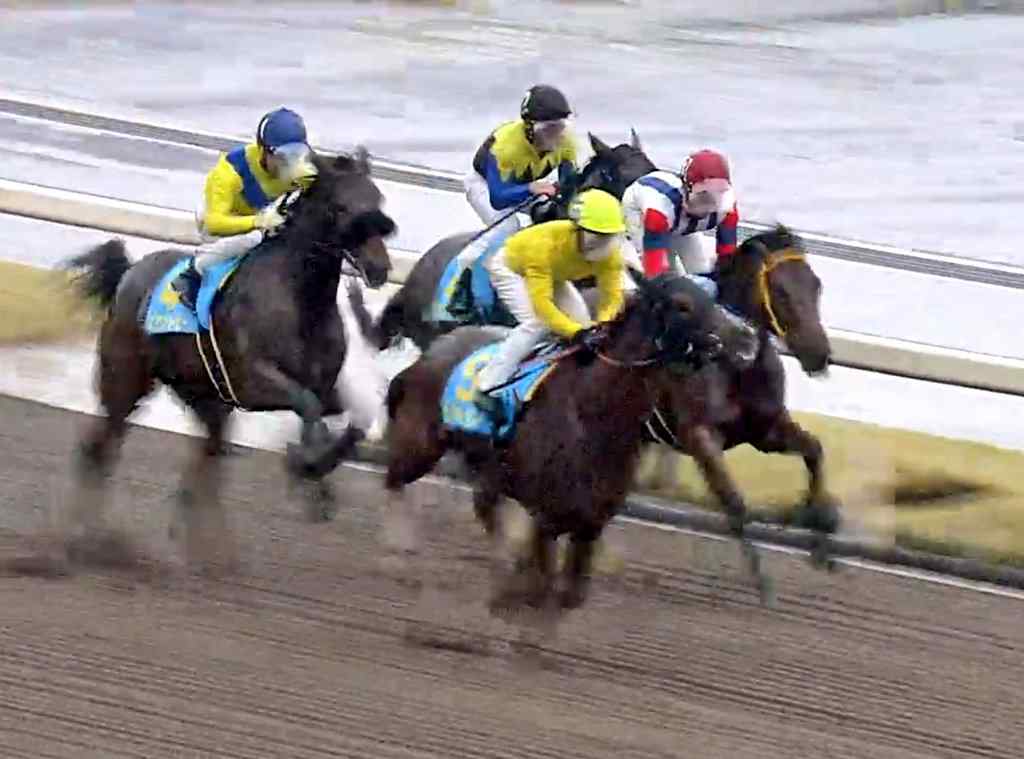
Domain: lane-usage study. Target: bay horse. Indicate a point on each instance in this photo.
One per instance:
(573, 454)
(405, 315)
(277, 324)
(769, 282)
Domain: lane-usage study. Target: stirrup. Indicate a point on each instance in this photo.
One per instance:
(486, 401)
(187, 286)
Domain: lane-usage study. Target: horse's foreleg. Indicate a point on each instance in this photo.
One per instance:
(707, 451)
(415, 445)
(579, 569)
(821, 510)
(786, 436)
(315, 456)
(206, 536)
(533, 581)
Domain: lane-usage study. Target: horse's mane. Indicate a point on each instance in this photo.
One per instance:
(756, 247)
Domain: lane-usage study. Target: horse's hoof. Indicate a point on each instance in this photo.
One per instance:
(572, 598)
(821, 557)
(321, 504)
(315, 435)
(505, 604)
(820, 515)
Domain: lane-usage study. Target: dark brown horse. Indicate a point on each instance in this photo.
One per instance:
(769, 282)
(277, 326)
(572, 458)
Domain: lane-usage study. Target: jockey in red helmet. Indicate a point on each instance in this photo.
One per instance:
(666, 213)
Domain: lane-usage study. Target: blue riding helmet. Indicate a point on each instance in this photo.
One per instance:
(279, 128)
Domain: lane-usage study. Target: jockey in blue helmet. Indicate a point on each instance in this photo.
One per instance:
(239, 201)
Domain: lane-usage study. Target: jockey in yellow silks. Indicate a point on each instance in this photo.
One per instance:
(239, 201)
(533, 273)
(516, 162)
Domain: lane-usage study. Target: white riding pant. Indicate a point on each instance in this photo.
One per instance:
(530, 331)
(694, 253)
(212, 250)
(479, 197)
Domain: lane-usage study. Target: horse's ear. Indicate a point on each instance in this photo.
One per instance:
(634, 140)
(600, 148)
(639, 279)
(323, 163)
(361, 156)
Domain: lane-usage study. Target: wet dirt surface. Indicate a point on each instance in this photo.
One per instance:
(310, 649)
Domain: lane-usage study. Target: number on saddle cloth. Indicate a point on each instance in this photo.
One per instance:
(163, 312)
(458, 407)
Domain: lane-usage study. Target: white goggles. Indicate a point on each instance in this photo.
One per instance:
(550, 128)
(291, 152)
(296, 160)
(597, 246)
(713, 196)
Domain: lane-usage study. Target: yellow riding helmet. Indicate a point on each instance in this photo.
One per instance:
(598, 211)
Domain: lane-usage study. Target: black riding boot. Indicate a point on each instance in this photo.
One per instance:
(187, 285)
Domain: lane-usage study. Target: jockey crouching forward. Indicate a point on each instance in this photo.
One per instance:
(533, 273)
(238, 204)
(514, 162)
(666, 214)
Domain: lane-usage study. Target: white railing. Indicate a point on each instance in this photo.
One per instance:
(853, 349)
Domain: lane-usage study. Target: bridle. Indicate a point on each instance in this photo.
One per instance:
(285, 204)
(770, 263)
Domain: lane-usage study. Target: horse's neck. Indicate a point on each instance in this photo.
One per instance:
(614, 388)
(738, 291)
(317, 273)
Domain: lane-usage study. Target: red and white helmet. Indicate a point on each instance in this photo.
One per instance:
(707, 183)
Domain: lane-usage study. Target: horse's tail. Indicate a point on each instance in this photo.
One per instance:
(391, 323)
(396, 392)
(102, 267)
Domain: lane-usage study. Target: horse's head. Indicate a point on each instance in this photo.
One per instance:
(609, 169)
(685, 324)
(769, 280)
(341, 214)
(614, 169)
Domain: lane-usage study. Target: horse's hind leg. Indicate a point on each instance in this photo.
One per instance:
(706, 450)
(123, 379)
(207, 541)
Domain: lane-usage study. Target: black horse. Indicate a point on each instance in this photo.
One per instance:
(406, 314)
(276, 325)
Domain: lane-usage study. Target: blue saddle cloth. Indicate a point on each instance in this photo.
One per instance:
(470, 298)
(165, 313)
(459, 412)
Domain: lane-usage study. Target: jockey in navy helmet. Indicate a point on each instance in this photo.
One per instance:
(239, 202)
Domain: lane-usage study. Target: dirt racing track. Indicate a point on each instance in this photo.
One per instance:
(311, 650)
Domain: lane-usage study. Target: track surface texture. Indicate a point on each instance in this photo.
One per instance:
(311, 649)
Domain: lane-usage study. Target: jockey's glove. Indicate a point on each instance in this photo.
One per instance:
(269, 218)
(542, 210)
(589, 338)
